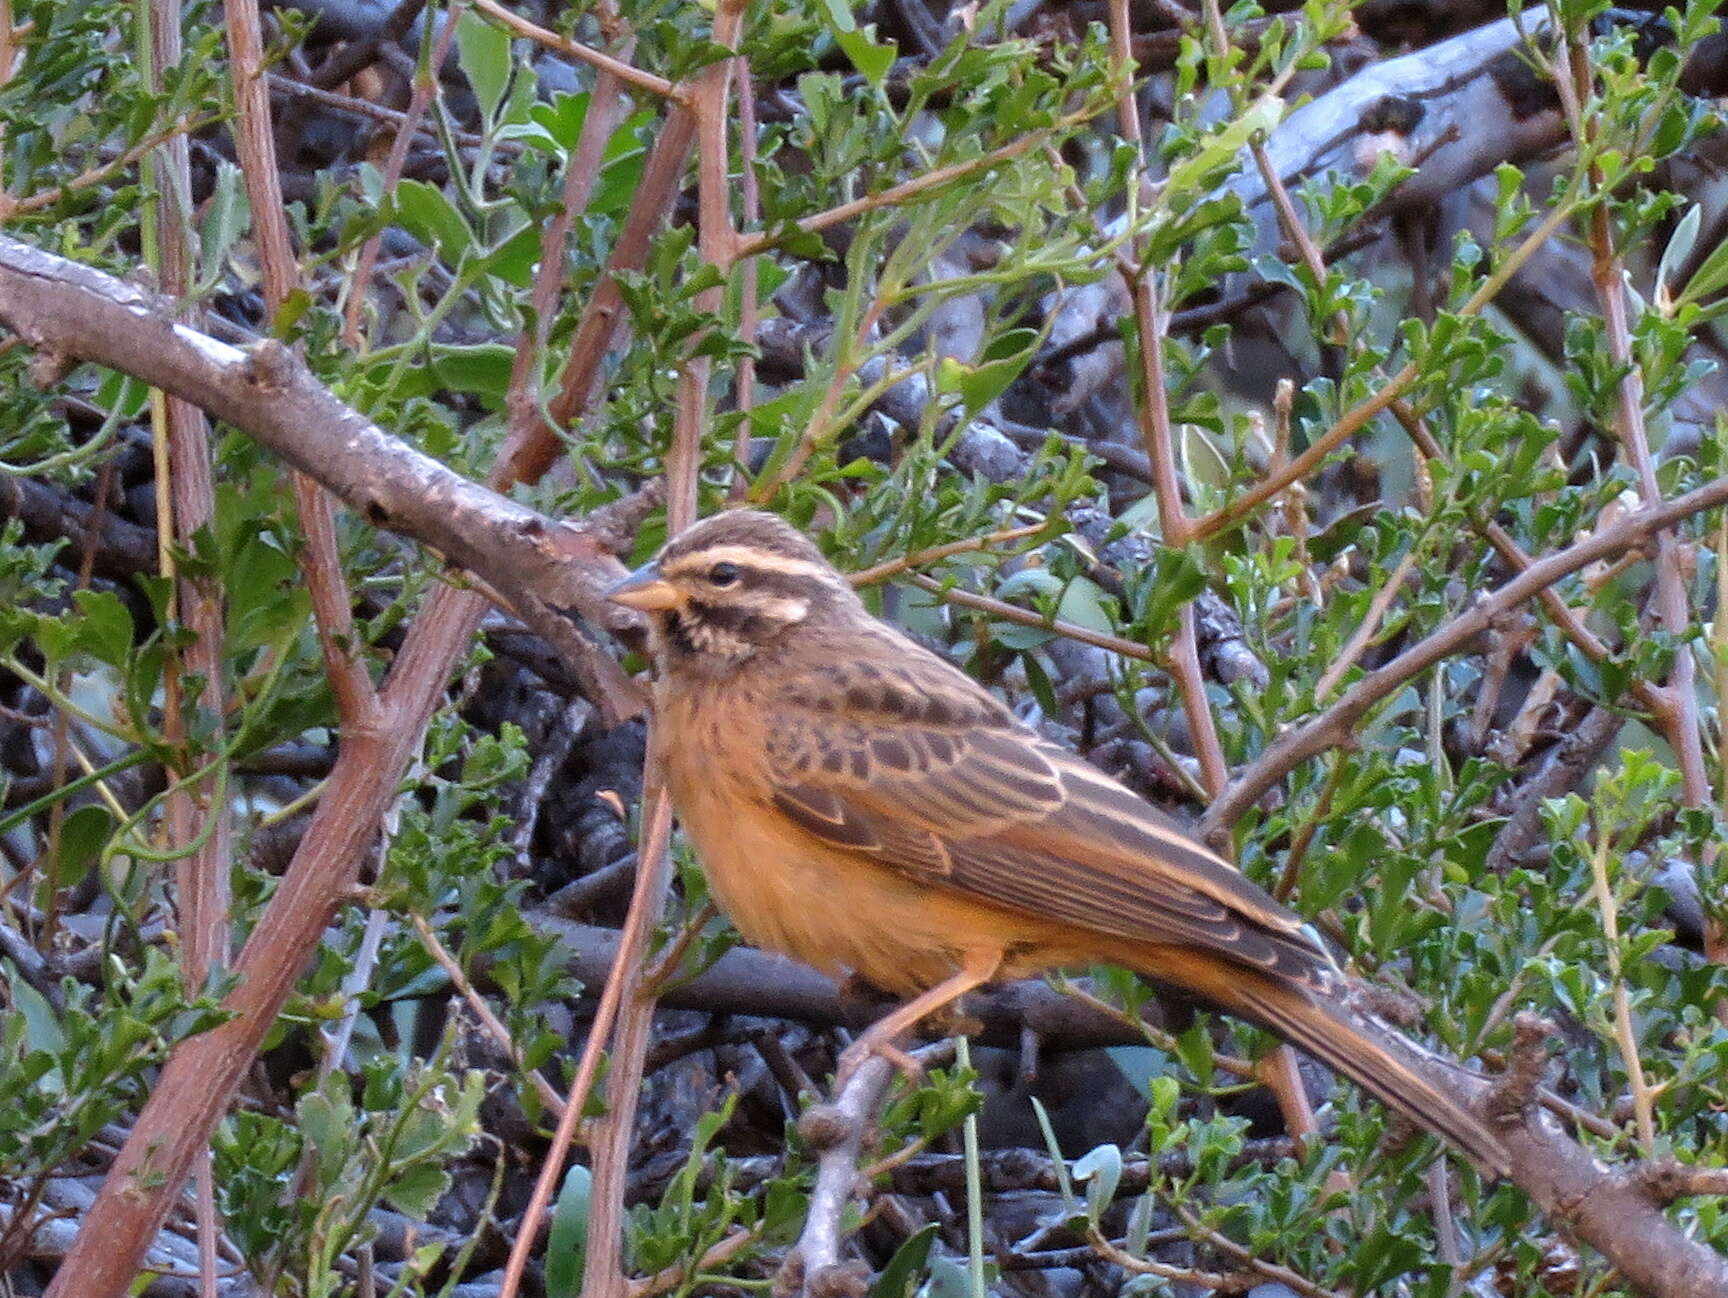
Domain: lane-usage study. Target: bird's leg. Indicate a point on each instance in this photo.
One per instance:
(978, 968)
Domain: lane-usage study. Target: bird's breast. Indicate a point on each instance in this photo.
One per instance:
(787, 891)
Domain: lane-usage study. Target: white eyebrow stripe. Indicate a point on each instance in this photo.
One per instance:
(747, 556)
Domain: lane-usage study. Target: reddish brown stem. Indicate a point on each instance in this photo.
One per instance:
(201, 869)
(632, 946)
(192, 1092)
(531, 449)
(745, 386)
(606, 108)
(605, 63)
(605, 1276)
(1153, 411)
(1338, 722)
(202, 875)
(321, 562)
(1679, 720)
(425, 87)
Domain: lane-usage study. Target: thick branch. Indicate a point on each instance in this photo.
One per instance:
(748, 981)
(542, 568)
(49, 513)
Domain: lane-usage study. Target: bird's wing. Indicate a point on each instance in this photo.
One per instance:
(915, 765)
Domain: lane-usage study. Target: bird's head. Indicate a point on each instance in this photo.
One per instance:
(729, 586)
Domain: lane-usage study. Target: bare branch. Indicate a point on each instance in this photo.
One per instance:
(1338, 722)
(546, 569)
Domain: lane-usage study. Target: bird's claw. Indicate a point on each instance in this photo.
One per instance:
(852, 1058)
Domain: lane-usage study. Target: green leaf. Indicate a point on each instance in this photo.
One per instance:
(899, 1279)
(1710, 277)
(562, 118)
(42, 1030)
(480, 368)
(483, 52)
(514, 257)
(1033, 581)
(1678, 250)
(83, 836)
(417, 1191)
(1001, 362)
(1220, 149)
(1202, 462)
(433, 219)
(1194, 1049)
(840, 15)
(948, 1279)
(105, 631)
(1038, 681)
(326, 1120)
(226, 215)
(122, 394)
(871, 58)
(1083, 604)
(568, 1236)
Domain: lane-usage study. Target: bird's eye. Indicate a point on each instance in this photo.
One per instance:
(723, 574)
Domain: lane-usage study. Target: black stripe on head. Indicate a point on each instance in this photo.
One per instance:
(748, 620)
(731, 625)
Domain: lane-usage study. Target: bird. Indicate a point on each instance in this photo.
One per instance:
(862, 805)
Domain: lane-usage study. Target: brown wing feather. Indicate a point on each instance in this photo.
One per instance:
(926, 772)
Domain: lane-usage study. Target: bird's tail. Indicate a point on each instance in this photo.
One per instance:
(1390, 1067)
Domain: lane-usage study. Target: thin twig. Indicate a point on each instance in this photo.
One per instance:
(532, 447)
(1269, 1270)
(1608, 274)
(483, 1011)
(717, 243)
(835, 1132)
(321, 562)
(1026, 617)
(287, 86)
(846, 366)
(633, 942)
(1304, 836)
(1233, 1064)
(1360, 415)
(1367, 629)
(674, 1277)
(581, 173)
(1339, 721)
(624, 71)
(191, 124)
(425, 88)
(8, 64)
(936, 553)
(744, 385)
(1212, 1280)
(198, 820)
(1625, 1034)
(1153, 414)
(917, 187)
(1315, 260)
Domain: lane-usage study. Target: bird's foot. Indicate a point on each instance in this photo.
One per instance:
(854, 1056)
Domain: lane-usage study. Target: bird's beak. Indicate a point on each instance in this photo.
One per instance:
(645, 590)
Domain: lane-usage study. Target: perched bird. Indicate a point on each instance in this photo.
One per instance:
(859, 804)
